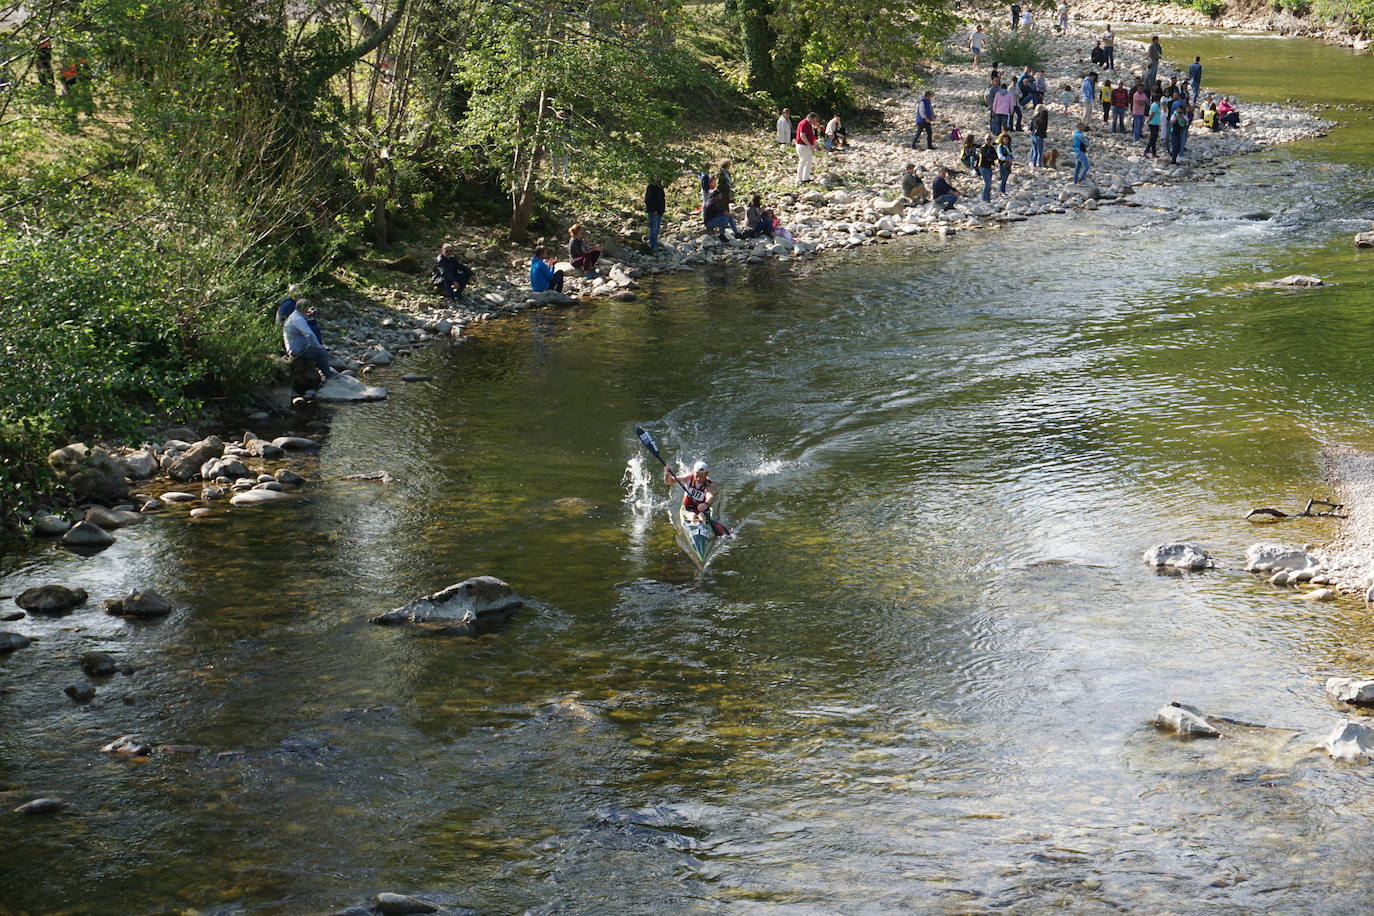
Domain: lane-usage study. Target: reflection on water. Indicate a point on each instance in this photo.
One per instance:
(919, 682)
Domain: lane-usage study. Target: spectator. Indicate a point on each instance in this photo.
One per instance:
(42, 61)
(725, 185)
(1063, 18)
(654, 206)
(1003, 103)
(716, 216)
(1153, 53)
(1080, 153)
(1153, 121)
(977, 42)
(1227, 113)
(1195, 77)
(707, 184)
(1089, 95)
(1027, 20)
(835, 135)
(300, 340)
(757, 218)
(1178, 132)
(1140, 103)
(1120, 99)
(1015, 15)
(806, 146)
(942, 190)
(1209, 117)
(987, 160)
(1109, 49)
(1040, 125)
(913, 188)
(1098, 55)
(968, 153)
(925, 121)
(581, 252)
(1066, 97)
(1005, 158)
(785, 127)
(450, 275)
(1104, 95)
(542, 274)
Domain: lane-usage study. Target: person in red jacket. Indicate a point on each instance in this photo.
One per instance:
(1121, 97)
(806, 146)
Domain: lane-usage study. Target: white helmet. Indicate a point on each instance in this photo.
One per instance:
(699, 467)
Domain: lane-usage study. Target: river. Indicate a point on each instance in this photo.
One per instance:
(921, 677)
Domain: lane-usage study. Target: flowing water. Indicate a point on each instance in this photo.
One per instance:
(921, 677)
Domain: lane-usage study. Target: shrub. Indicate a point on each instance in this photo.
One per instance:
(1211, 8)
(1018, 49)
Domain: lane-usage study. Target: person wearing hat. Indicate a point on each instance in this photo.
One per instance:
(701, 490)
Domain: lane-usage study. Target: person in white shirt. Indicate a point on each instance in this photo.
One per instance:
(785, 127)
(977, 42)
(1027, 20)
(300, 340)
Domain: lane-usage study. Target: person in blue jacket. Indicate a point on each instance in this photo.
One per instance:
(542, 275)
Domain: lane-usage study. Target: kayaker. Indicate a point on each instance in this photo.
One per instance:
(700, 490)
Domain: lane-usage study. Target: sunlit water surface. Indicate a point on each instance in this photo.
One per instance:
(921, 676)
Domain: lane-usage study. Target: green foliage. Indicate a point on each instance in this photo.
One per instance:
(1212, 8)
(1357, 13)
(1018, 49)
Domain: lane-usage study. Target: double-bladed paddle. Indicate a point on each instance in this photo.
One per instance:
(649, 443)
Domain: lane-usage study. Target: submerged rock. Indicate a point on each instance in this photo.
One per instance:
(462, 609)
(48, 805)
(1349, 741)
(257, 497)
(295, 443)
(348, 388)
(1297, 281)
(140, 603)
(1178, 556)
(51, 599)
(1188, 721)
(98, 664)
(127, 746)
(401, 905)
(9, 642)
(110, 519)
(80, 691)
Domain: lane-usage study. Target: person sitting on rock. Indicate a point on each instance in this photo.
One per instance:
(581, 252)
(717, 217)
(543, 277)
(300, 339)
(450, 275)
(1209, 117)
(835, 135)
(913, 188)
(1227, 114)
(757, 218)
(942, 190)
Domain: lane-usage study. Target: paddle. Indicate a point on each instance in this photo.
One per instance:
(652, 446)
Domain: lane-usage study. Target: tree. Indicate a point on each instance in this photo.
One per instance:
(588, 91)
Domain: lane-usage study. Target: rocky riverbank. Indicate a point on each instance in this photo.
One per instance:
(1259, 15)
(855, 202)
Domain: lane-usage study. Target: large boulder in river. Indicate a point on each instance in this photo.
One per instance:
(348, 388)
(1350, 741)
(110, 519)
(1268, 556)
(186, 466)
(1178, 556)
(1357, 691)
(464, 609)
(88, 536)
(51, 599)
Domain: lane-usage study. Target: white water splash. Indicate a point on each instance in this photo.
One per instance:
(640, 499)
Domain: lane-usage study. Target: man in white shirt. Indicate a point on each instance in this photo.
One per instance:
(300, 340)
(785, 127)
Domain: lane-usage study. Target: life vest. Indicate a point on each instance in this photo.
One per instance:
(695, 496)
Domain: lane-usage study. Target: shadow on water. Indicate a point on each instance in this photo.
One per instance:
(918, 682)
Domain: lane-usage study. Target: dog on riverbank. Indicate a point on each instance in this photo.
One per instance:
(1052, 159)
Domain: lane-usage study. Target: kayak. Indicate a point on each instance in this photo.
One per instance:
(694, 536)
